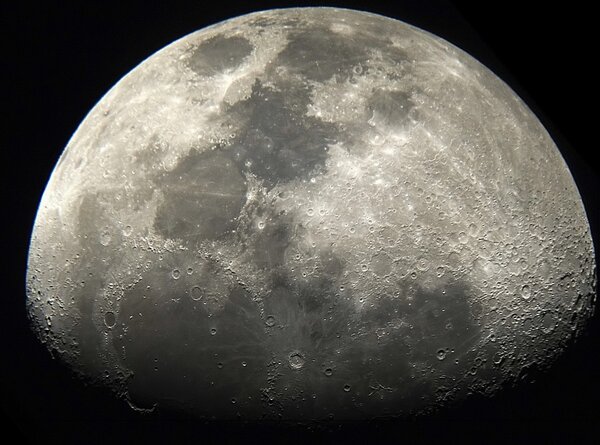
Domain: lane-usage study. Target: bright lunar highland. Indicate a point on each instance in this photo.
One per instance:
(309, 214)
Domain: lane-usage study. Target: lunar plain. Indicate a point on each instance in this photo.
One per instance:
(309, 214)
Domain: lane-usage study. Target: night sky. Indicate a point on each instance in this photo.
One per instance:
(61, 57)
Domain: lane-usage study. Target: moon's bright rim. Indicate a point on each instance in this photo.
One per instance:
(309, 212)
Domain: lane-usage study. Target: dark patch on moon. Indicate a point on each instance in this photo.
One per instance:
(437, 319)
(204, 359)
(406, 339)
(203, 196)
(277, 141)
(218, 54)
(271, 243)
(309, 335)
(312, 322)
(319, 53)
(390, 108)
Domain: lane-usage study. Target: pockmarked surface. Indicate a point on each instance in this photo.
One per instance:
(308, 214)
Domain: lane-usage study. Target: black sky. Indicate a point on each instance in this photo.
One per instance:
(61, 57)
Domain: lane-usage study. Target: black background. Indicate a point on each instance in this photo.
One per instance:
(61, 57)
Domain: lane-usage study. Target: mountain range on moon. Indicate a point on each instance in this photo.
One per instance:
(309, 214)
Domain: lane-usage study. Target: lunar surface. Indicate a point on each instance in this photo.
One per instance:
(308, 214)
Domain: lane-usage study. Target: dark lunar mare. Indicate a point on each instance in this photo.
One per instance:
(202, 197)
(276, 140)
(218, 54)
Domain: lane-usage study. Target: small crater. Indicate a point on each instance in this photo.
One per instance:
(105, 238)
(196, 293)
(296, 360)
(422, 264)
(175, 274)
(548, 322)
(328, 372)
(473, 229)
(110, 319)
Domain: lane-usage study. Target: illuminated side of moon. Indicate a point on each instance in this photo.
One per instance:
(309, 213)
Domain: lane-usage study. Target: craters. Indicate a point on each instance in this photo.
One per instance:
(210, 287)
(175, 273)
(270, 321)
(423, 325)
(548, 322)
(498, 358)
(127, 230)
(196, 293)
(110, 319)
(218, 333)
(423, 264)
(473, 230)
(328, 372)
(296, 360)
(525, 292)
(105, 237)
(202, 197)
(211, 301)
(219, 54)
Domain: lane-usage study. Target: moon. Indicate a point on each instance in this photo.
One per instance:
(309, 214)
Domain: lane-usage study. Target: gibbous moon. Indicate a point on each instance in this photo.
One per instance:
(308, 214)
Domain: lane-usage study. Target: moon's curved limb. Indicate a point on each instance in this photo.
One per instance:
(309, 212)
